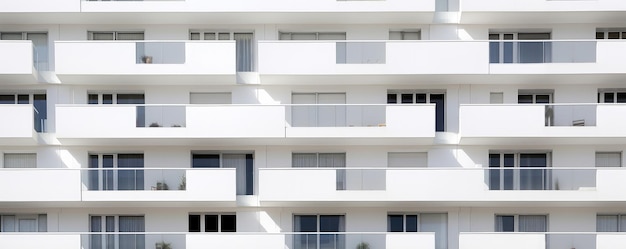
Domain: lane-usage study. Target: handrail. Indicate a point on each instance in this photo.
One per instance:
(550, 104)
(147, 41)
(88, 169)
(428, 41)
(442, 168)
(229, 105)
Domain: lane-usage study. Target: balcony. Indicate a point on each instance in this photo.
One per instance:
(39, 185)
(275, 11)
(339, 240)
(109, 124)
(18, 126)
(158, 184)
(549, 124)
(286, 186)
(145, 62)
(18, 62)
(40, 240)
(49, 6)
(550, 240)
(369, 61)
(362, 121)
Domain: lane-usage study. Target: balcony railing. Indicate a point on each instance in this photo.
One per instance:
(338, 115)
(112, 179)
(571, 115)
(161, 116)
(538, 240)
(329, 240)
(534, 178)
(541, 51)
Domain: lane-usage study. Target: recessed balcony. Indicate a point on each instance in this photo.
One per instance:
(368, 61)
(548, 124)
(108, 124)
(158, 184)
(18, 63)
(18, 127)
(336, 240)
(49, 6)
(145, 62)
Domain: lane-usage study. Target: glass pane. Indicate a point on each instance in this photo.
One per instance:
(41, 114)
(305, 223)
(509, 162)
(533, 179)
(94, 180)
(107, 99)
(609, 97)
(494, 36)
(533, 223)
(542, 99)
(229, 223)
(420, 98)
(194, 223)
(438, 100)
(505, 223)
(210, 223)
(494, 174)
(407, 98)
(599, 35)
(210, 36)
(331, 223)
(411, 223)
(606, 223)
(525, 99)
(613, 35)
(107, 36)
(494, 52)
(23, 99)
(7, 99)
(205, 161)
(92, 99)
(11, 36)
(194, 36)
(138, 36)
(621, 97)
(395, 223)
(392, 98)
(223, 36)
(130, 99)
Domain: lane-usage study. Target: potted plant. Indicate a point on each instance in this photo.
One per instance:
(155, 124)
(146, 59)
(183, 184)
(161, 185)
(163, 245)
(363, 245)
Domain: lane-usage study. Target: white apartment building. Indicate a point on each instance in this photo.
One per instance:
(312, 124)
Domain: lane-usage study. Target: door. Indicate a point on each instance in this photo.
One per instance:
(519, 171)
(319, 231)
(104, 176)
(245, 52)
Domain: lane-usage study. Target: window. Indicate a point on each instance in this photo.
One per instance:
(212, 223)
(244, 46)
(117, 98)
(210, 98)
(243, 163)
(307, 113)
(308, 227)
(507, 173)
(611, 95)
(521, 223)
(608, 159)
(611, 223)
(611, 33)
(422, 222)
(23, 223)
(405, 35)
(496, 98)
(113, 224)
(20, 160)
(39, 102)
(322, 160)
(540, 96)
(436, 97)
(311, 35)
(107, 172)
(115, 35)
(524, 51)
(407, 159)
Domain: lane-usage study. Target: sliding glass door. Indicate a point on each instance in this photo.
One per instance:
(318, 232)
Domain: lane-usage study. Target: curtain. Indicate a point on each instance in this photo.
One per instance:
(238, 162)
(131, 224)
(130, 179)
(305, 115)
(42, 223)
(305, 223)
(28, 225)
(332, 160)
(95, 226)
(245, 52)
(8, 223)
(505, 223)
(608, 159)
(20, 160)
(130, 36)
(607, 223)
(302, 160)
(11, 36)
(532, 223)
(437, 223)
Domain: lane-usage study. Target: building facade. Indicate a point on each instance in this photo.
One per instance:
(327, 124)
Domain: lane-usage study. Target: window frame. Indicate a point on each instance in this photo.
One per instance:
(90, 35)
(516, 223)
(220, 221)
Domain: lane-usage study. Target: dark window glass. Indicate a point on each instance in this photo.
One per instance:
(307, 223)
(210, 223)
(396, 223)
(130, 99)
(93, 174)
(249, 174)
(7, 99)
(407, 98)
(599, 35)
(543, 99)
(494, 37)
(23, 99)
(205, 161)
(524, 99)
(494, 174)
(92, 99)
(420, 98)
(609, 97)
(508, 223)
(621, 97)
(411, 223)
(533, 160)
(107, 99)
(392, 98)
(194, 223)
(229, 223)
(41, 114)
(130, 179)
(613, 35)
(438, 100)
(494, 160)
(509, 162)
(330, 223)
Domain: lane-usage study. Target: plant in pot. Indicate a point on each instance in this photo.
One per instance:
(163, 245)
(161, 185)
(146, 59)
(183, 184)
(363, 245)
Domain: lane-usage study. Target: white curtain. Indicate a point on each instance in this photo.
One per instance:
(332, 160)
(245, 52)
(303, 160)
(437, 223)
(8, 223)
(608, 159)
(132, 224)
(20, 160)
(130, 36)
(532, 223)
(11, 36)
(42, 223)
(238, 162)
(607, 223)
(28, 225)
